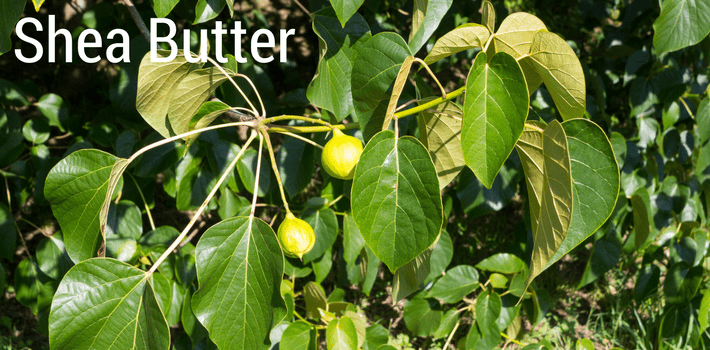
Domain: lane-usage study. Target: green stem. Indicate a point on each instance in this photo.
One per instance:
(310, 129)
(300, 138)
(294, 117)
(423, 107)
(256, 175)
(187, 228)
(276, 169)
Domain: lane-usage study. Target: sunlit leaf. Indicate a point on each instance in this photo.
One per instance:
(514, 37)
(345, 9)
(442, 137)
(239, 269)
(495, 109)
(395, 198)
(431, 13)
(681, 23)
(464, 37)
(341, 334)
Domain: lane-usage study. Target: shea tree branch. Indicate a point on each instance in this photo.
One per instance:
(137, 18)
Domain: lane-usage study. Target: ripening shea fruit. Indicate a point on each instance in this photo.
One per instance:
(340, 155)
(296, 237)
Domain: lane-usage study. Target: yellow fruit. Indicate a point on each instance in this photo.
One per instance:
(340, 155)
(296, 237)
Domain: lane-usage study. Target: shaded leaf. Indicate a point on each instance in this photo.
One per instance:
(681, 23)
(345, 9)
(422, 316)
(455, 284)
(464, 37)
(442, 137)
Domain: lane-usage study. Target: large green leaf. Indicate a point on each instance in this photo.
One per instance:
(464, 37)
(374, 72)
(555, 206)
(239, 269)
(514, 37)
(495, 109)
(596, 181)
(11, 12)
(76, 189)
(442, 137)
(560, 70)
(330, 88)
(341, 334)
(427, 14)
(681, 23)
(345, 9)
(157, 85)
(395, 198)
(106, 304)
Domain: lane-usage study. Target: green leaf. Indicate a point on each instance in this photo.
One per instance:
(322, 265)
(345, 9)
(553, 212)
(495, 109)
(464, 37)
(170, 296)
(330, 88)
(76, 189)
(104, 304)
(325, 226)
(36, 131)
(442, 137)
(422, 316)
(28, 283)
(315, 299)
(353, 243)
(448, 322)
(246, 168)
(206, 10)
(560, 70)
(157, 83)
(239, 269)
(455, 284)
(341, 334)
(296, 163)
(488, 15)
(374, 73)
(52, 106)
(299, 335)
(194, 187)
(52, 257)
(395, 199)
(8, 233)
(10, 132)
(11, 13)
(488, 306)
(596, 182)
(643, 216)
(514, 37)
(682, 282)
(11, 94)
(703, 315)
(504, 263)
(441, 255)
(206, 114)
(681, 23)
(375, 336)
(409, 278)
(162, 8)
(605, 256)
(431, 12)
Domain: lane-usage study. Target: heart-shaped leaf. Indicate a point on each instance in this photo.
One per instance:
(239, 269)
(330, 88)
(341, 334)
(105, 304)
(76, 188)
(395, 198)
(495, 109)
(455, 284)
